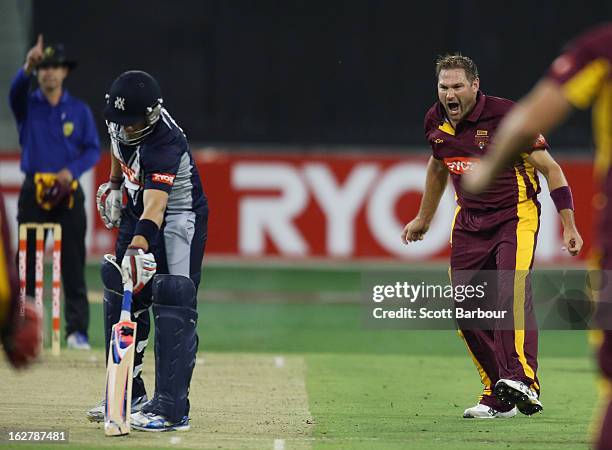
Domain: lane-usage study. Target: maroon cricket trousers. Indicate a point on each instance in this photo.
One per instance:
(500, 243)
(602, 335)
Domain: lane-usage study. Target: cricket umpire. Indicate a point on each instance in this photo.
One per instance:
(59, 142)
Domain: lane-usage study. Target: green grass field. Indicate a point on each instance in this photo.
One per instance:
(285, 362)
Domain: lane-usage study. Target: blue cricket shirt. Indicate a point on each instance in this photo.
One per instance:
(53, 137)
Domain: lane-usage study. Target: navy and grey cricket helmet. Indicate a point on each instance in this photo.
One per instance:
(134, 98)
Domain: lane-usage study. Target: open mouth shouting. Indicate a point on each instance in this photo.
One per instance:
(454, 109)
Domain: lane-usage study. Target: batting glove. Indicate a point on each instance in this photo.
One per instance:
(109, 200)
(139, 267)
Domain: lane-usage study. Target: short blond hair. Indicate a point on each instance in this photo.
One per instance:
(457, 61)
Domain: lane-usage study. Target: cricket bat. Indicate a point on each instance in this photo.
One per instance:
(120, 366)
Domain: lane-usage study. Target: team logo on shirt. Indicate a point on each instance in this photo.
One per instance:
(131, 174)
(166, 178)
(461, 164)
(481, 139)
(68, 128)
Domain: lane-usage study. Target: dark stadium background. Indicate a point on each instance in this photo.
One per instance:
(355, 72)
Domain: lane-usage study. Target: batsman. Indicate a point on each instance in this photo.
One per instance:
(161, 241)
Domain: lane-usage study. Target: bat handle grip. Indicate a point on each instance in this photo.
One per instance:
(128, 286)
(126, 306)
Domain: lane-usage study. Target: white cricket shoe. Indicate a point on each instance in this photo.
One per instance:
(518, 393)
(78, 341)
(144, 421)
(481, 411)
(96, 414)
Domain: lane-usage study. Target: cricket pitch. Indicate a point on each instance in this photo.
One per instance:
(237, 400)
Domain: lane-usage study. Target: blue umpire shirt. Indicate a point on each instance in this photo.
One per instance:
(53, 137)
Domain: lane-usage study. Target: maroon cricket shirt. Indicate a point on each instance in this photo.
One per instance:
(584, 72)
(461, 149)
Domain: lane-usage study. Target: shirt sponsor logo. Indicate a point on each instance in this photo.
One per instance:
(461, 164)
(165, 178)
(482, 132)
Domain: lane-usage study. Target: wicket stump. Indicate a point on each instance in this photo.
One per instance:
(40, 229)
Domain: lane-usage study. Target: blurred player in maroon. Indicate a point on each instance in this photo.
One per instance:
(493, 231)
(579, 78)
(19, 334)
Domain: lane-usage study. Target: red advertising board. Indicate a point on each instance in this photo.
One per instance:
(336, 206)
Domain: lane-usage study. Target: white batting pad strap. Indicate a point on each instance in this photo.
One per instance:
(137, 370)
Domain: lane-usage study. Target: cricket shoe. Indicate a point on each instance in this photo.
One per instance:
(481, 411)
(96, 414)
(518, 393)
(144, 421)
(78, 341)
